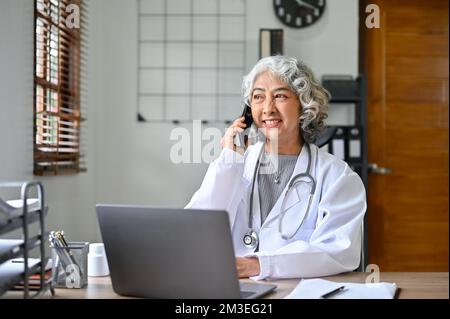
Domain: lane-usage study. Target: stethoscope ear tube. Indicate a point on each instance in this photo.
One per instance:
(255, 173)
(280, 221)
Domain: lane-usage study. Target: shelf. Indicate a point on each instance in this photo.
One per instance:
(355, 163)
(9, 248)
(14, 208)
(17, 222)
(347, 89)
(345, 99)
(31, 287)
(14, 215)
(12, 274)
(12, 248)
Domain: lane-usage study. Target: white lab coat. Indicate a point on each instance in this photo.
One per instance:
(328, 242)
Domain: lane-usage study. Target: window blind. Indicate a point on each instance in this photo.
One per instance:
(59, 55)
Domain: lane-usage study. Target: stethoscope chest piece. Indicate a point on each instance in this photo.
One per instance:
(251, 239)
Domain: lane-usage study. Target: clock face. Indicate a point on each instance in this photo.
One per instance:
(298, 13)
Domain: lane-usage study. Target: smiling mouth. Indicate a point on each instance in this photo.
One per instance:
(272, 123)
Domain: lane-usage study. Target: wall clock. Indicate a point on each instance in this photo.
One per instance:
(298, 13)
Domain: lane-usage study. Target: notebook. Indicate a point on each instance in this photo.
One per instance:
(316, 288)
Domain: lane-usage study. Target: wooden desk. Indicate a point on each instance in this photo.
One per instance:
(421, 285)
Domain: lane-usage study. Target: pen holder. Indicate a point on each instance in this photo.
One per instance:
(69, 265)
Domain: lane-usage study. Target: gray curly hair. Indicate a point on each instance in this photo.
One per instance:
(313, 97)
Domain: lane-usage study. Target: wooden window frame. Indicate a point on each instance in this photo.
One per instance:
(57, 80)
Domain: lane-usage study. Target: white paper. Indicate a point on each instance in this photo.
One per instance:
(315, 288)
(12, 208)
(18, 203)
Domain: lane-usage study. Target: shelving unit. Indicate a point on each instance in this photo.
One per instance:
(351, 139)
(16, 267)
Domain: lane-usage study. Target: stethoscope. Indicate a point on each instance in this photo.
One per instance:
(251, 238)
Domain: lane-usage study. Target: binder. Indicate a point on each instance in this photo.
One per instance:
(270, 42)
(346, 143)
(337, 144)
(341, 87)
(355, 146)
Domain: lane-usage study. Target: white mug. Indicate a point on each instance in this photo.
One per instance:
(97, 263)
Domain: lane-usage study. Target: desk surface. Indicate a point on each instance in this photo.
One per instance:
(421, 285)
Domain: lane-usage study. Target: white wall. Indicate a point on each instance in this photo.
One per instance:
(128, 162)
(133, 164)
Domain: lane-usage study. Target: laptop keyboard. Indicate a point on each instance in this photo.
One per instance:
(246, 294)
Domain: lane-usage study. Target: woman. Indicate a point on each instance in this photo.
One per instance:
(315, 228)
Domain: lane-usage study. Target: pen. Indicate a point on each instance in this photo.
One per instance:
(66, 256)
(333, 292)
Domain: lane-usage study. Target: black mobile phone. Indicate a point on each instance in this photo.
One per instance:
(247, 113)
(241, 139)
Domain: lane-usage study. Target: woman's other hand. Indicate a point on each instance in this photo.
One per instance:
(247, 266)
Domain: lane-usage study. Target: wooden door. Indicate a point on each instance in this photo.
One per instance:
(406, 64)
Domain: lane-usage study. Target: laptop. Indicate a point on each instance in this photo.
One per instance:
(172, 253)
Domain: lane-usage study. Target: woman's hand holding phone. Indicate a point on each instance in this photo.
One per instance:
(227, 140)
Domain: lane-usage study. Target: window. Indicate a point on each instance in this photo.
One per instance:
(57, 111)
